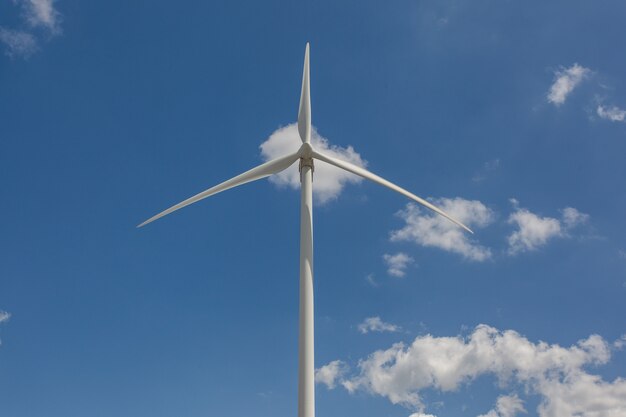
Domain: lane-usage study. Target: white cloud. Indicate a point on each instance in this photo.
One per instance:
(557, 374)
(573, 217)
(4, 316)
(421, 415)
(41, 13)
(426, 228)
(331, 373)
(566, 80)
(328, 180)
(614, 114)
(18, 43)
(397, 264)
(506, 406)
(534, 231)
(375, 324)
(38, 14)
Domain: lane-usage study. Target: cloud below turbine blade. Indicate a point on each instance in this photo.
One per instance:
(557, 374)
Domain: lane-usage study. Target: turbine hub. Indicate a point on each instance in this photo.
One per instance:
(306, 150)
(306, 157)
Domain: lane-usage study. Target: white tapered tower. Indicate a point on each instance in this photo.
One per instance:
(306, 346)
(305, 155)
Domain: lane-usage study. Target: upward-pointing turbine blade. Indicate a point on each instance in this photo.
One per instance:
(262, 171)
(304, 112)
(373, 177)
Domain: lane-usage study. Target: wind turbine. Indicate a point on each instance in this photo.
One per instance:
(306, 154)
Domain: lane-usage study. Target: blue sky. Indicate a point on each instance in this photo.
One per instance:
(511, 115)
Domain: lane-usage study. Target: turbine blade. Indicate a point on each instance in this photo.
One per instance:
(262, 171)
(304, 112)
(375, 178)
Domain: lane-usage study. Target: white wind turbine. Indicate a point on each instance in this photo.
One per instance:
(306, 154)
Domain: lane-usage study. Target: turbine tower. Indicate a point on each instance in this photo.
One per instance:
(305, 155)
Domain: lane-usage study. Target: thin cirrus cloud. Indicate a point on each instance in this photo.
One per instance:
(533, 231)
(397, 264)
(329, 180)
(566, 80)
(38, 15)
(429, 229)
(557, 374)
(613, 113)
(488, 168)
(18, 43)
(41, 13)
(376, 324)
(4, 316)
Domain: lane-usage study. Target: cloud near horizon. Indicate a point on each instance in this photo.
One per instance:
(557, 374)
(329, 180)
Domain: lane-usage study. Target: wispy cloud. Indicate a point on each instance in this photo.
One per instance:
(4, 316)
(534, 231)
(371, 280)
(572, 217)
(329, 180)
(41, 13)
(18, 43)
(41, 19)
(566, 80)
(487, 168)
(620, 343)
(426, 228)
(613, 113)
(375, 324)
(397, 264)
(557, 374)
